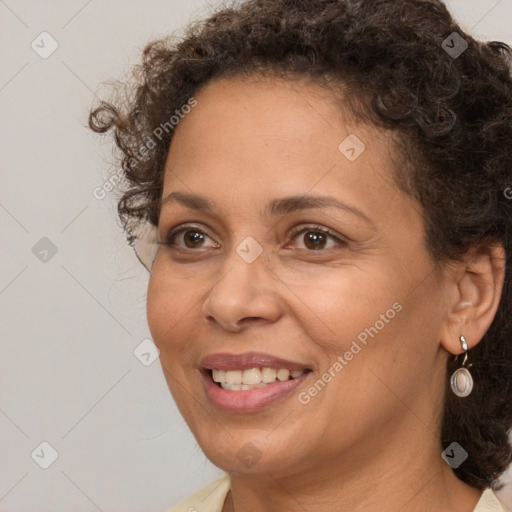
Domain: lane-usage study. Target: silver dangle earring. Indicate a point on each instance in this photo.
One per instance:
(461, 381)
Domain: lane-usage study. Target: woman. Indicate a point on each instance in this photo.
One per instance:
(321, 192)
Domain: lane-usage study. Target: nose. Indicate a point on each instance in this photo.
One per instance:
(245, 294)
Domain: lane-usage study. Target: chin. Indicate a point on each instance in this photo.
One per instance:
(249, 452)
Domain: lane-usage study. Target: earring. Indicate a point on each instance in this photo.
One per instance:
(461, 381)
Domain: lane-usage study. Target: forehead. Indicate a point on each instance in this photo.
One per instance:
(270, 108)
(272, 137)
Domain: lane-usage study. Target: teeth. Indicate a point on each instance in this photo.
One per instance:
(233, 377)
(283, 375)
(268, 375)
(219, 375)
(240, 387)
(251, 378)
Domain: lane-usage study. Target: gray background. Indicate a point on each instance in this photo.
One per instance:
(71, 320)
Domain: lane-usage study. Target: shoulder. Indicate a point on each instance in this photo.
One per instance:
(208, 499)
(488, 502)
(211, 499)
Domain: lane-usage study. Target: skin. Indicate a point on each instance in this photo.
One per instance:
(376, 424)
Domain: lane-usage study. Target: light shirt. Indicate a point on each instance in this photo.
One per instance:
(211, 499)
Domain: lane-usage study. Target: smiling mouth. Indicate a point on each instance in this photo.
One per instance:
(252, 378)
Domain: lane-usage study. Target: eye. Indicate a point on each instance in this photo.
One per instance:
(192, 236)
(316, 238)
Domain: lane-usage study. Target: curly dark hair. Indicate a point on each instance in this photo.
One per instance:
(447, 106)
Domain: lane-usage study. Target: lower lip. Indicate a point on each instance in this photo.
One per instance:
(249, 400)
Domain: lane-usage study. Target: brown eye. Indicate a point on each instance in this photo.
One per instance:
(193, 238)
(316, 238)
(190, 237)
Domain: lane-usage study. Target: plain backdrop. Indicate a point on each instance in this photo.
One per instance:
(72, 294)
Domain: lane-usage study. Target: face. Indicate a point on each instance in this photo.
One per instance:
(266, 276)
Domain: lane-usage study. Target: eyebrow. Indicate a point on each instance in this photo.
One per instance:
(279, 206)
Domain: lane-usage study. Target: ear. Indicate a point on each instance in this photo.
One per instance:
(476, 285)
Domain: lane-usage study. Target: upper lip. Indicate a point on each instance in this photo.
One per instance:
(227, 361)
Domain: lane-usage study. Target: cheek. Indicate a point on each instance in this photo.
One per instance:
(154, 309)
(158, 306)
(169, 310)
(170, 318)
(365, 321)
(387, 350)
(348, 301)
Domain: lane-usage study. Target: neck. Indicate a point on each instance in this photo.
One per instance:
(396, 478)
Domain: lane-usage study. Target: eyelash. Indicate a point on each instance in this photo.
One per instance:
(294, 234)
